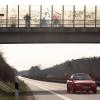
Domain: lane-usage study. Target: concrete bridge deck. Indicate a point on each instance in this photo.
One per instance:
(49, 35)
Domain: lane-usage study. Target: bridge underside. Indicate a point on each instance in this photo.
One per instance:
(49, 35)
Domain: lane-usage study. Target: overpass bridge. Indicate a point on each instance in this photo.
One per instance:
(53, 24)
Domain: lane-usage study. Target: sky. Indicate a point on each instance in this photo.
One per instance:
(23, 56)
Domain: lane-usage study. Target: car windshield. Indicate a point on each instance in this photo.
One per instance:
(81, 77)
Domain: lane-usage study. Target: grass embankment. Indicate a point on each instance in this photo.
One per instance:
(8, 94)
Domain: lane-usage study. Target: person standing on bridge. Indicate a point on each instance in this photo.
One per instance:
(27, 19)
(44, 22)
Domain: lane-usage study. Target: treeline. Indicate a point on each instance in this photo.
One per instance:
(6, 72)
(62, 71)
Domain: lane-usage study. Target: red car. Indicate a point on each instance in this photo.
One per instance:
(81, 82)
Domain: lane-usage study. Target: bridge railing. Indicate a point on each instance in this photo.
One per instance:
(49, 23)
(52, 16)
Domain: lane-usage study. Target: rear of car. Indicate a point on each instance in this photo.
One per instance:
(81, 82)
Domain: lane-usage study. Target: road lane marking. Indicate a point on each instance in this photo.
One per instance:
(45, 88)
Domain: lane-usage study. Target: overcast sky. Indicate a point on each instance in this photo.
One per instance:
(23, 56)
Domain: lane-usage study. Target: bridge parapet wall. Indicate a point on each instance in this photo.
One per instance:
(47, 30)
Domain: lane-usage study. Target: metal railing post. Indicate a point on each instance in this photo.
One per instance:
(18, 15)
(73, 16)
(30, 14)
(63, 16)
(51, 15)
(95, 16)
(6, 15)
(40, 14)
(84, 16)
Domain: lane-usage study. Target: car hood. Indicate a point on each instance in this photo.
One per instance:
(84, 81)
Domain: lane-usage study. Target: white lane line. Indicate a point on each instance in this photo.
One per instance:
(45, 88)
(56, 86)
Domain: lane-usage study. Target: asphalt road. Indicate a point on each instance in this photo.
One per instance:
(55, 91)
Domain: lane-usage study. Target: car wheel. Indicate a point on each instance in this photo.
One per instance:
(87, 91)
(68, 89)
(95, 91)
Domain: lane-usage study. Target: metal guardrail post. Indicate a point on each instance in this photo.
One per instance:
(73, 16)
(6, 15)
(51, 15)
(18, 15)
(40, 14)
(63, 16)
(84, 16)
(95, 16)
(16, 89)
(30, 14)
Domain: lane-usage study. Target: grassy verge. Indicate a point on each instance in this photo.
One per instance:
(9, 95)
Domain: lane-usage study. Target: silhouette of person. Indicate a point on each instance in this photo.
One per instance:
(27, 20)
(44, 22)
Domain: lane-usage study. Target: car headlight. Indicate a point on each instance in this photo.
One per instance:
(93, 85)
